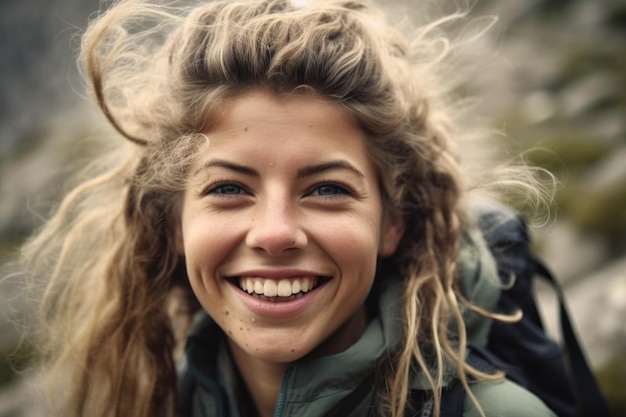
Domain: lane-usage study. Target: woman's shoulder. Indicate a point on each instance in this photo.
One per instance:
(505, 399)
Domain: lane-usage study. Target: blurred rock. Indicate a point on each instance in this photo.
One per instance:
(597, 305)
(557, 81)
(570, 254)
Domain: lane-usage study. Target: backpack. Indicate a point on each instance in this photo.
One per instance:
(523, 350)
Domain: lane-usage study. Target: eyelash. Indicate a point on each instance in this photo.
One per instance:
(213, 188)
(338, 189)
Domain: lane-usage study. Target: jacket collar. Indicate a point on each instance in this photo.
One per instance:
(310, 387)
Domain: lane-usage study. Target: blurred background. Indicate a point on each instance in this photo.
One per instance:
(557, 89)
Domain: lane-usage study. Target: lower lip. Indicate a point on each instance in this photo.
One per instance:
(277, 310)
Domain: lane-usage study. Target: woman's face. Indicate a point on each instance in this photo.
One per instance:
(281, 226)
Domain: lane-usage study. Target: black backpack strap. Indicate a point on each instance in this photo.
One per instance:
(187, 387)
(422, 404)
(453, 400)
(592, 402)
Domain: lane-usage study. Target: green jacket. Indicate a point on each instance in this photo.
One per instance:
(315, 387)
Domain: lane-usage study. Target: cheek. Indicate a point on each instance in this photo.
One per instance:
(354, 245)
(205, 244)
(205, 234)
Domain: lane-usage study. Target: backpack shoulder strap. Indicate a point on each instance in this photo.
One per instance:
(537, 360)
(592, 402)
(421, 403)
(186, 388)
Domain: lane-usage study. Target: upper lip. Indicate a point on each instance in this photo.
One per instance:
(277, 273)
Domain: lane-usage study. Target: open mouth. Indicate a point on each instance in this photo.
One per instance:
(278, 290)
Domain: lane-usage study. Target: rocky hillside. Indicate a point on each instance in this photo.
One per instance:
(557, 89)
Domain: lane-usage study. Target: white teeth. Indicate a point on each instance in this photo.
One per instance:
(273, 288)
(284, 288)
(269, 288)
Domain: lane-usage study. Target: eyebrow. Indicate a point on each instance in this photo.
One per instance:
(326, 166)
(303, 172)
(221, 163)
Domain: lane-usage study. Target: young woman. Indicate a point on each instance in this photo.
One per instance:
(289, 183)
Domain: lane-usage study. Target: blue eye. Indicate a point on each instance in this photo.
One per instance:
(330, 190)
(228, 189)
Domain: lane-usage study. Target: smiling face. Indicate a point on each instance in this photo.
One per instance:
(281, 226)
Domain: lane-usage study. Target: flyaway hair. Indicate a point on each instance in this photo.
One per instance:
(161, 74)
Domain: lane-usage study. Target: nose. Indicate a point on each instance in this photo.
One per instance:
(275, 228)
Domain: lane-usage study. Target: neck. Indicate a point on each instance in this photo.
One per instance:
(263, 379)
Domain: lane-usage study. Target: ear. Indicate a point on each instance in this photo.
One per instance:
(392, 231)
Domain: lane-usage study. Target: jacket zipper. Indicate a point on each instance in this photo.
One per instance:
(282, 395)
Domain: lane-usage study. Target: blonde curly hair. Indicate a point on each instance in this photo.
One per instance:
(160, 75)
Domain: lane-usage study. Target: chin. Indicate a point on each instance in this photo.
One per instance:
(282, 355)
